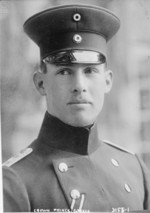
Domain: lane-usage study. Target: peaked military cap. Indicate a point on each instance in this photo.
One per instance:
(72, 33)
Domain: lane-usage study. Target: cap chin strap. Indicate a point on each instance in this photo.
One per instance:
(76, 56)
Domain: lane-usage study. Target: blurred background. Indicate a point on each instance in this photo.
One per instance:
(125, 119)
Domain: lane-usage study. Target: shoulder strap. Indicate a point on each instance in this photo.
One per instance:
(17, 157)
(118, 147)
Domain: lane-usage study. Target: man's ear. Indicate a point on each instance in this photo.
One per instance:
(109, 80)
(38, 81)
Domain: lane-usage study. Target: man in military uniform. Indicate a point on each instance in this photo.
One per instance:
(68, 167)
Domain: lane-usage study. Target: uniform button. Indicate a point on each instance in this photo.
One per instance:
(76, 17)
(115, 162)
(63, 167)
(77, 38)
(75, 194)
(127, 187)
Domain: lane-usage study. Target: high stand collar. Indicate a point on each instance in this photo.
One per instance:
(59, 135)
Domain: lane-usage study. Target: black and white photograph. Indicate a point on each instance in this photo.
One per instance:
(75, 105)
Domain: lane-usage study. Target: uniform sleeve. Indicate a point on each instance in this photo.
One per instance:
(15, 197)
(146, 177)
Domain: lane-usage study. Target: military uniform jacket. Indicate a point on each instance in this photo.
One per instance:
(69, 168)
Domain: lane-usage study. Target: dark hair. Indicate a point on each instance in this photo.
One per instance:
(43, 67)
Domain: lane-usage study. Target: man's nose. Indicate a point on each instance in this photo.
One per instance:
(79, 83)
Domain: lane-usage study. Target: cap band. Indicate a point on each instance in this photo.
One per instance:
(66, 41)
(76, 56)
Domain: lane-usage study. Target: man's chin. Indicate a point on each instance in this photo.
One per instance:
(81, 121)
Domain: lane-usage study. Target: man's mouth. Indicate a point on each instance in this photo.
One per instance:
(78, 102)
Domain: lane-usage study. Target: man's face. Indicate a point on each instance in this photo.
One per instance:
(75, 92)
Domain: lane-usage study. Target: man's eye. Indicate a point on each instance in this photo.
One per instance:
(91, 70)
(64, 72)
